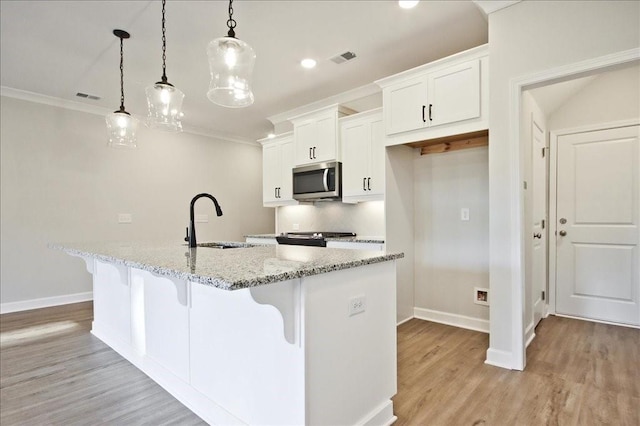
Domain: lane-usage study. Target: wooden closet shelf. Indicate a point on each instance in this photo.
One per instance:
(453, 143)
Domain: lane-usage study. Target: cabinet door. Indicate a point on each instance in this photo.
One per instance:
(454, 93)
(326, 142)
(306, 137)
(376, 156)
(355, 136)
(404, 105)
(271, 172)
(286, 178)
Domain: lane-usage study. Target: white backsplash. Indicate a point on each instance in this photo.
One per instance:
(365, 219)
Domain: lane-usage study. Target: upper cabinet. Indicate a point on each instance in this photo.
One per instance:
(446, 97)
(362, 138)
(277, 163)
(316, 136)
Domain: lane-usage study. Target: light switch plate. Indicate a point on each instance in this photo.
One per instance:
(125, 218)
(464, 214)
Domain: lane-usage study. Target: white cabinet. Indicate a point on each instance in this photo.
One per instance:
(362, 137)
(439, 99)
(277, 163)
(316, 135)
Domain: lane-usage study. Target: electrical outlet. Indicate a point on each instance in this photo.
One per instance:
(357, 305)
(464, 214)
(124, 218)
(202, 218)
(296, 226)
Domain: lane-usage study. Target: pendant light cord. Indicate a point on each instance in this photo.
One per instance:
(164, 45)
(231, 23)
(121, 77)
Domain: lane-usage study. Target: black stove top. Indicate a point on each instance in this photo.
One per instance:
(316, 239)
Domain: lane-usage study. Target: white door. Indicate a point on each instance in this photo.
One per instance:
(454, 94)
(597, 256)
(376, 153)
(285, 193)
(271, 172)
(539, 239)
(354, 159)
(405, 105)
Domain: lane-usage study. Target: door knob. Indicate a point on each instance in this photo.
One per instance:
(563, 233)
(563, 220)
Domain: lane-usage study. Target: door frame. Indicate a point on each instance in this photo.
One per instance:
(517, 358)
(553, 193)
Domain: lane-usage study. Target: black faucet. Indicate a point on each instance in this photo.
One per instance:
(191, 231)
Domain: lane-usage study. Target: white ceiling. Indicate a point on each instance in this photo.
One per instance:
(59, 48)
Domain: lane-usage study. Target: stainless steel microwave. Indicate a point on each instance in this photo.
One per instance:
(318, 182)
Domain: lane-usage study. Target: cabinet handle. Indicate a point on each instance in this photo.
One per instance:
(364, 187)
(275, 192)
(430, 117)
(369, 183)
(314, 152)
(310, 157)
(423, 108)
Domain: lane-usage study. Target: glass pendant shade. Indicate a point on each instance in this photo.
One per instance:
(231, 66)
(164, 102)
(121, 130)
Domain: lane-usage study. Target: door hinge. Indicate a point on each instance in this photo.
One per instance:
(543, 295)
(543, 222)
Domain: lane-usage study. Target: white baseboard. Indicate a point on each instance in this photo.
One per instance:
(498, 358)
(529, 334)
(404, 320)
(455, 320)
(45, 302)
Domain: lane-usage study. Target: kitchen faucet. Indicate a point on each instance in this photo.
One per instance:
(191, 231)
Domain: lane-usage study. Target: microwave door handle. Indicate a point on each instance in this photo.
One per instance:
(325, 180)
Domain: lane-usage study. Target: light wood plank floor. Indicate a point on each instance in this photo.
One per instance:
(54, 372)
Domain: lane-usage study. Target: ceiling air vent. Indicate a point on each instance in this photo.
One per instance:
(343, 57)
(87, 96)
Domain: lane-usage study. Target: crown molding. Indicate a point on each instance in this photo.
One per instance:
(490, 6)
(38, 98)
(340, 98)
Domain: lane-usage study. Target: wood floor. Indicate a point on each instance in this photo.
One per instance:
(54, 372)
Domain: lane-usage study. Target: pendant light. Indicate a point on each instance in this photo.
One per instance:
(231, 65)
(164, 101)
(121, 126)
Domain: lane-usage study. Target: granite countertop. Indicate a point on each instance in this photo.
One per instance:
(374, 240)
(247, 265)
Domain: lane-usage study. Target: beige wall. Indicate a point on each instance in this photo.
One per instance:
(612, 96)
(526, 38)
(451, 256)
(61, 183)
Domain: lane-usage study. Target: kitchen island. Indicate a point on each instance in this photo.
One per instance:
(277, 335)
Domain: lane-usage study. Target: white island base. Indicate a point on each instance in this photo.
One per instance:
(287, 353)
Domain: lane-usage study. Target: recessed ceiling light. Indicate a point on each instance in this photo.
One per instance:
(308, 63)
(271, 136)
(408, 4)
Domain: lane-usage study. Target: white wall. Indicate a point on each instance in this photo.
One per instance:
(365, 219)
(399, 221)
(612, 96)
(61, 183)
(526, 38)
(451, 256)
